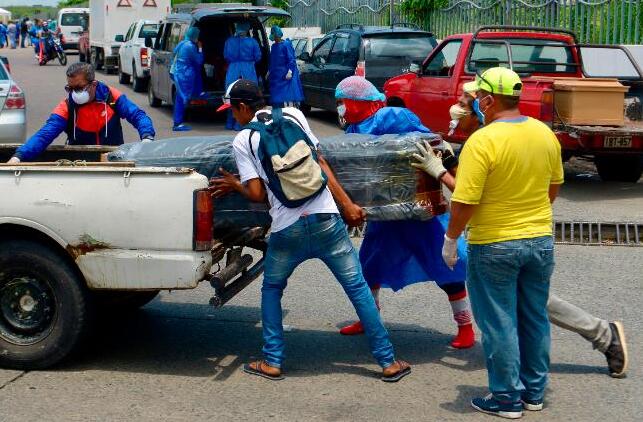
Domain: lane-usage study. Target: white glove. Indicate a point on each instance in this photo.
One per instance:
(428, 161)
(147, 139)
(289, 74)
(13, 160)
(450, 251)
(448, 147)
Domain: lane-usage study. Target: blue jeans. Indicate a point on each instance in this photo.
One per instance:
(508, 284)
(322, 236)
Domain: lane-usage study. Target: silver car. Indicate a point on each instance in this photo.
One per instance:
(13, 109)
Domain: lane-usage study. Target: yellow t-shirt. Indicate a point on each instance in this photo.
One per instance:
(506, 169)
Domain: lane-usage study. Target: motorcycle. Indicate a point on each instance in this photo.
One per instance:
(51, 48)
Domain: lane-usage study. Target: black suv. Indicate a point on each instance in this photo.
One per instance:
(376, 52)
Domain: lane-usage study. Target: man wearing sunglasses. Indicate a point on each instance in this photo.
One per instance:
(90, 114)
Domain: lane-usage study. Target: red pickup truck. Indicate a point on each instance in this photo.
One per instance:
(539, 56)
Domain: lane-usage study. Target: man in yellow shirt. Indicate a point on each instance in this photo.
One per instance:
(510, 171)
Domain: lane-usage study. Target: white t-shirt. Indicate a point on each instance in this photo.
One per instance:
(250, 168)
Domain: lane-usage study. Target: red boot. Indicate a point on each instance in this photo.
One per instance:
(466, 337)
(354, 329)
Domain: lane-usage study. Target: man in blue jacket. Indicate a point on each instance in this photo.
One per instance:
(90, 115)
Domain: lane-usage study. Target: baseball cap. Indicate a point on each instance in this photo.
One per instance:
(241, 89)
(497, 80)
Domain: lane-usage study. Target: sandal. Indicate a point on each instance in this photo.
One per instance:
(405, 369)
(248, 368)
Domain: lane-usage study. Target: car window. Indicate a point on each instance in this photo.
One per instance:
(443, 61)
(321, 52)
(129, 32)
(175, 37)
(148, 30)
(3, 73)
(316, 41)
(406, 48)
(71, 19)
(301, 47)
(540, 56)
(165, 45)
(345, 51)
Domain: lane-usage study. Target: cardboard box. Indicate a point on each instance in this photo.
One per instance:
(595, 102)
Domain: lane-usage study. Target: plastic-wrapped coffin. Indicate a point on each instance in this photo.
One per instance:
(374, 170)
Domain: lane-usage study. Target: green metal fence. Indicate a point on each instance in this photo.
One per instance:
(595, 21)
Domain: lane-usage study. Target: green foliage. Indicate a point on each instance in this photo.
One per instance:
(419, 10)
(73, 3)
(43, 12)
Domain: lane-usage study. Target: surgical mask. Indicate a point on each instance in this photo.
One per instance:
(81, 97)
(477, 111)
(341, 110)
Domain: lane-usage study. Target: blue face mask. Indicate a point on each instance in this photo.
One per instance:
(476, 110)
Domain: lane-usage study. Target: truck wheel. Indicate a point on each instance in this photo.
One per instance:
(44, 309)
(125, 300)
(619, 168)
(123, 78)
(151, 98)
(139, 83)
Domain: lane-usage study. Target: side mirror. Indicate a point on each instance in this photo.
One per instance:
(119, 38)
(415, 68)
(148, 42)
(305, 56)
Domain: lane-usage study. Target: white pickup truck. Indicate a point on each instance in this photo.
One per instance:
(134, 55)
(75, 238)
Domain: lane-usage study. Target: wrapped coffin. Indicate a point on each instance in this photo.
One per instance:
(374, 170)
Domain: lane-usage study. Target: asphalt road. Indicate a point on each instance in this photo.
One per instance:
(178, 359)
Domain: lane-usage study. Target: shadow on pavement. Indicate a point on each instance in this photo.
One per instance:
(462, 403)
(178, 343)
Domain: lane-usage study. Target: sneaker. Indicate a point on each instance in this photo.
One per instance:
(354, 329)
(616, 353)
(492, 406)
(532, 405)
(182, 128)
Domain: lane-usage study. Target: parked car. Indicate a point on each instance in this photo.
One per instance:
(134, 56)
(307, 44)
(13, 109)
(216, 25)
(542, 57)
(377, 53)
(71, 23)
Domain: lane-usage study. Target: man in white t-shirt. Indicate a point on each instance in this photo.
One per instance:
(313, 230)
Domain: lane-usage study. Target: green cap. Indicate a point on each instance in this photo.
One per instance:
(497, 80)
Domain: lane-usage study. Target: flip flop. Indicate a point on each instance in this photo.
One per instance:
(404, 371)
(257, 371)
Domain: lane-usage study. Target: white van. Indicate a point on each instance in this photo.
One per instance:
(72, 22)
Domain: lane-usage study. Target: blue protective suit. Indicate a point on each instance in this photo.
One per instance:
(241, 53)
(398, 253)
(186, 77)
(3, 35)
(282, 90)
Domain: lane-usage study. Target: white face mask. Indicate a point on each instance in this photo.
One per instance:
(81, 97)
(341, 110)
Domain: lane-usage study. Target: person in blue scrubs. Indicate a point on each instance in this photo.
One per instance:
(285, 85)
(186, 74)
(241, 52)
(396, 254)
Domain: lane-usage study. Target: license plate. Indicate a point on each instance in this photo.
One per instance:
(618, 142)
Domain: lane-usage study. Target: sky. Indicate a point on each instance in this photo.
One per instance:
(28, 2)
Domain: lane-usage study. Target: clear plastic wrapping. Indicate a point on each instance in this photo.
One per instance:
(374, 170)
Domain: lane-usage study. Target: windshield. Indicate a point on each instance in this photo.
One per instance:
(148, 30)
(406, 47)
(528, 55)
(71, 19)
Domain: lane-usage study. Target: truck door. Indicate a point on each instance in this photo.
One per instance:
(435, 91)
(313, 70)
(126, 51)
